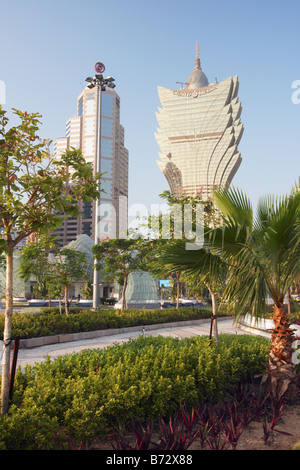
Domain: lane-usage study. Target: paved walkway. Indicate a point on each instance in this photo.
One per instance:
(39, 354)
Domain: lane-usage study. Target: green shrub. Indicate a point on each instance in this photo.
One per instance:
(28, 428)
(85, 393)
(51, 322)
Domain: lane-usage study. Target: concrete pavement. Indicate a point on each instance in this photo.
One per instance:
(202, 327)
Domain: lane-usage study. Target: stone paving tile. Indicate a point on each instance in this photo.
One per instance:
(183, 333)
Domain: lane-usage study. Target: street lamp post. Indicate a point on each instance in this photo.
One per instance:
(100, 83)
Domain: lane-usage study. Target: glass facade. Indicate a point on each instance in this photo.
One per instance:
(198, 135)
(106, 185)
(80, 107)
(107, 147)
(106, 165)
(107, 105)
(107, 127)
(83, 131)
(141, 287)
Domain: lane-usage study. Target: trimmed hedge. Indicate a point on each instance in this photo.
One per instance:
(51, 322)
(82, 395)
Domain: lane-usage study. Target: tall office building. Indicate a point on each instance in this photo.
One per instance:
(82, 132)
(199, 132)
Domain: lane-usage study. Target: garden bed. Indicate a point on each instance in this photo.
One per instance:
(80, 397)
(50, 322)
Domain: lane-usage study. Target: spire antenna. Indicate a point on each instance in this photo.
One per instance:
(197, 48)
(197, 60)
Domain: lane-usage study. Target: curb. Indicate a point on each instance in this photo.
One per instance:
(255, 330)
(68, 337)
(262, 326)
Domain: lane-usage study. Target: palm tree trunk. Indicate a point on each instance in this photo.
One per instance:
(7, 333)
(281, 371)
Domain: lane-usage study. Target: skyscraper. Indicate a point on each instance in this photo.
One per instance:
(82, 132)
(199, 132)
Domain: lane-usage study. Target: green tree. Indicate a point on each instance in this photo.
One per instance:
(87, 289)
(117, 258)
(53, 288)
(35, 261)
(211, 215)
(34, 190)
(168, 229)
(68, 267)
(263, 255)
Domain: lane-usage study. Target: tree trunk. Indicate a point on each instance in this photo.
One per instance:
(124, 294)
(66, 301)
(7, 333)
(178, 286)
(281, 374)
(214, 325)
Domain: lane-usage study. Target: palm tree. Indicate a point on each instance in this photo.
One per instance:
(201, 266)
(263, 256)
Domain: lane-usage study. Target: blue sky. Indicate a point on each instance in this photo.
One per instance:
(49, 48)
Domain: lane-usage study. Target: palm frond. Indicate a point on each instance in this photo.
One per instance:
(235, 206)
(280, 239)
(261, 256)
(208, 266)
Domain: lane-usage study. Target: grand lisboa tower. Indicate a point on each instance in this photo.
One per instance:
(198, 134)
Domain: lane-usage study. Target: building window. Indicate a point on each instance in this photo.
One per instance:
(87, 228)
(90, 105)
(80, 107)
(106, 166)
(87, 210)
(107, 105)
(107, 186)
(90, 96)
(107, 127)
(106, 148)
